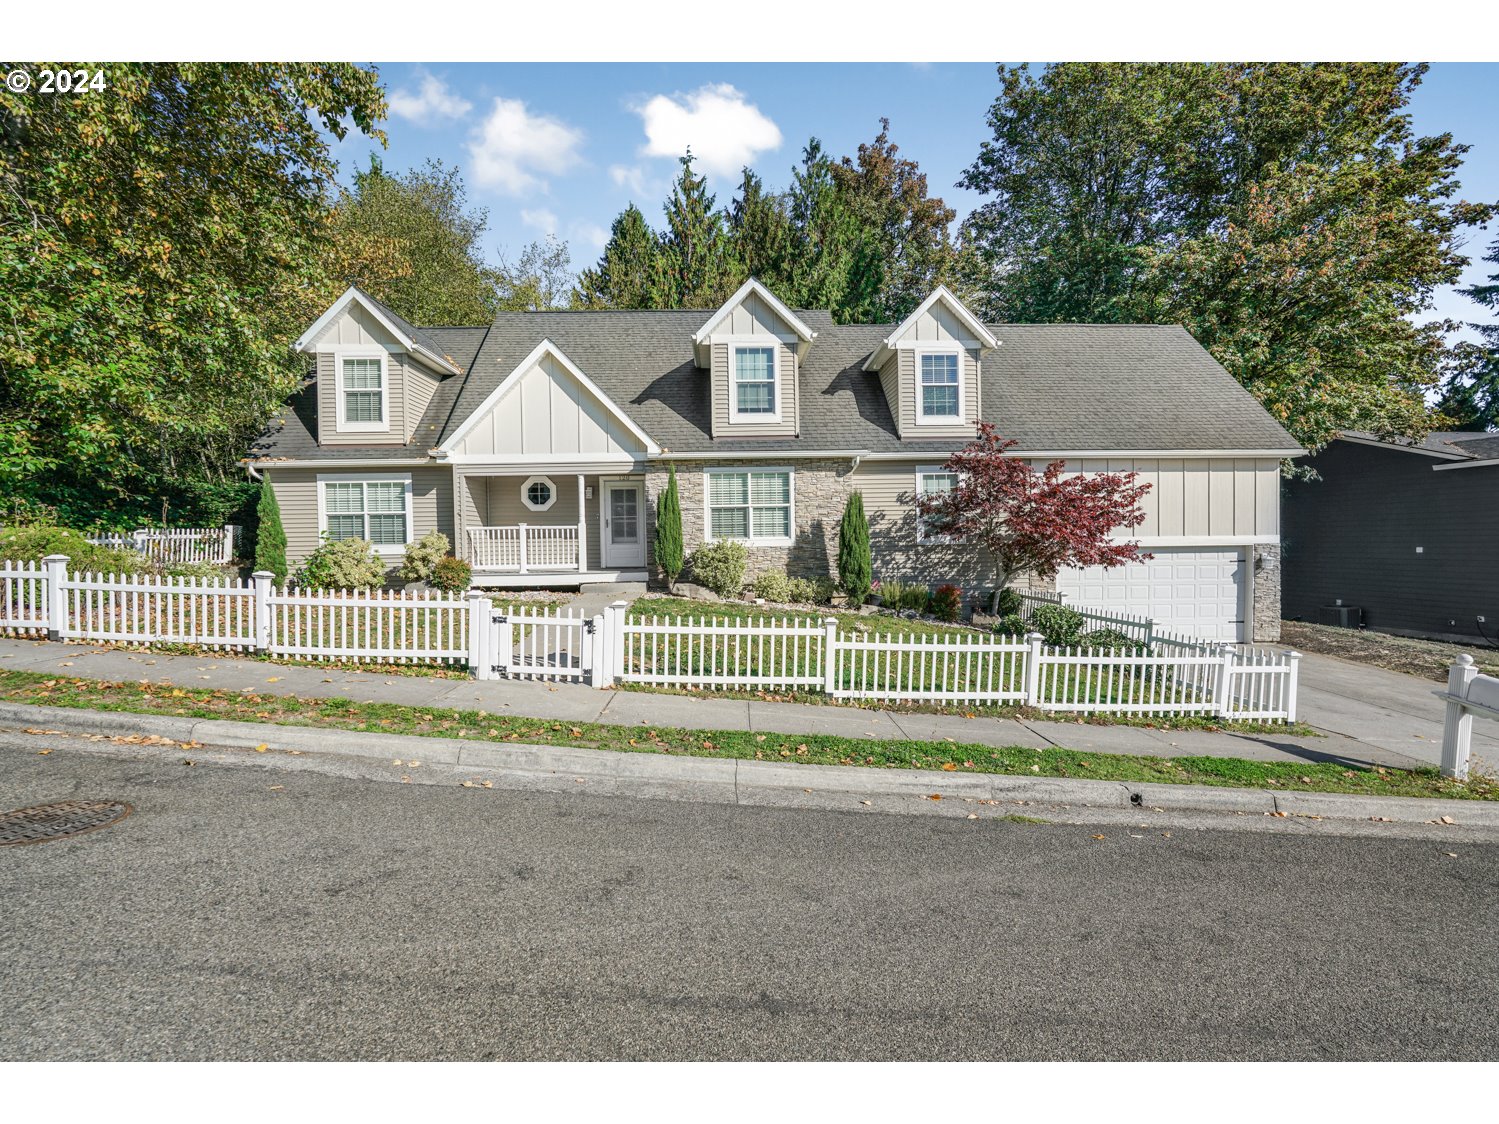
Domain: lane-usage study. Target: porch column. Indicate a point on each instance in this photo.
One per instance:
(582, 528)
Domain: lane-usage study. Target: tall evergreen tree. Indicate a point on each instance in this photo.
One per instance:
(670, 553)
(763, 235)
(696, 255)
(855, 563)
(628, 271)
(1285, 213)
(1470, 394)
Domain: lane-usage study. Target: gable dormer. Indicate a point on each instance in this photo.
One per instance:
(375, 372)
(752, 349)
(931, 369)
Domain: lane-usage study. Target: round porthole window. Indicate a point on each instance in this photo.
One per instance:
(538, 493)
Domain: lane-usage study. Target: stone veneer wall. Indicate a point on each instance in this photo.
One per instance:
(1266, 592)
(820, 490)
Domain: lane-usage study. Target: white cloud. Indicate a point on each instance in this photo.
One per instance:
(542, 219)
(588, 234)
(631, 176)
(435, 101)
(515, 148)
(724, 131)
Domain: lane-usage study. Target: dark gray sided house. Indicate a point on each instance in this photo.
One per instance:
(1405, 535)
(539, 443)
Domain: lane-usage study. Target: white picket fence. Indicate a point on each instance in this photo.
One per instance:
(168, 545)
(1173, 675)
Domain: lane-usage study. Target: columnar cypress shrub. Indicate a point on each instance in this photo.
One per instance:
(669, 551)
(270, 537)
(855, 566)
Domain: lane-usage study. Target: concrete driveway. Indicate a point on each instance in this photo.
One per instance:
(1396, 712)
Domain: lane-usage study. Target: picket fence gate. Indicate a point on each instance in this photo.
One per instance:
(1171, 675)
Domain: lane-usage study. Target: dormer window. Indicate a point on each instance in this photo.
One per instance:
(940, 387)
(754, 390)
(361, 392)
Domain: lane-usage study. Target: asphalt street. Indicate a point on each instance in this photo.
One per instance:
(257, 913)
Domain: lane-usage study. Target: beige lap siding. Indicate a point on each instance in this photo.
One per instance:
(495, 501)
(296, 493)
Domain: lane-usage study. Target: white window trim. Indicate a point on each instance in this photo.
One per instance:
(365, 478)
(751, 540)
(922, 538)
(362, 352)
(525, 489)
(939, 349)
(743, 343)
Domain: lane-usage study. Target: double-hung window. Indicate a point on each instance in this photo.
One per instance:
(377, 509)
(361, 392)
(754, 389)
(930, 528)
(939, 389)
(752, 506)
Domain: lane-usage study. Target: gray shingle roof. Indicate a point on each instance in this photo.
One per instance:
(1051, 387)
(1485, 447)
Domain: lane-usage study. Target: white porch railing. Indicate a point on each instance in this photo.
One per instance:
(214, 545)
(523, 548)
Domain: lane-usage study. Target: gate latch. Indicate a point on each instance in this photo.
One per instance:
(499, 618)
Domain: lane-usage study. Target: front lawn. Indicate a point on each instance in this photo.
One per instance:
(740, 611)
(946, 756)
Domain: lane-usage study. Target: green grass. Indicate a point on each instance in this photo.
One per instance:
(881, 623)
(940, 757)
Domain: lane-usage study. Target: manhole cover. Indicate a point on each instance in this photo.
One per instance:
(42, 823)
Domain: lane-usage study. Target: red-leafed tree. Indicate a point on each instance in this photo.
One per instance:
(1034, 522)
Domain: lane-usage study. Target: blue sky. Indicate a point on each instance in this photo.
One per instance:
(563, 147)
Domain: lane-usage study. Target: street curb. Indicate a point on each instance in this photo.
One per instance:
(735, 781)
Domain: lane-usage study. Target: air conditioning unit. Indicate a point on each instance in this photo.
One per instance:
(1341, 616)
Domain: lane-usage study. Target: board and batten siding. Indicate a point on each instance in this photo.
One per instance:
(1192, 499)
(296, 494)
(547, 412)
(787, 392)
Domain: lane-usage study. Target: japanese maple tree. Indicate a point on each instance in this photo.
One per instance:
(1030, 521)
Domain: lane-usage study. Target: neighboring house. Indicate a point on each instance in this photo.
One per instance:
(539, 444)
(1405, 534)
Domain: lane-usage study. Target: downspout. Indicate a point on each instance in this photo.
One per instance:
(254, 475)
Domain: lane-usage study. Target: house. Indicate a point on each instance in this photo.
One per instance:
(1398, 536)
(540, 442)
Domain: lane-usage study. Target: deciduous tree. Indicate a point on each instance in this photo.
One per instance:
(1030, 521)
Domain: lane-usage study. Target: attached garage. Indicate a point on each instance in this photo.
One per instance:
(1191, 591)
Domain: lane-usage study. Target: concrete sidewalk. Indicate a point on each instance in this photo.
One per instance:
(632, 708)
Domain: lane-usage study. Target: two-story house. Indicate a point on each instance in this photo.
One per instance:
(540, 443)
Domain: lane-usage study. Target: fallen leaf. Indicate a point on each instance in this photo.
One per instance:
(398, 761)
(935, 796)
(1098, 837)
(1279, 815)
(1448, 819)
(949, 767)
(488, 784)
(1450, 854)
(973, 815)
(413, 764)
(261, 748)
(575, 732)
(274, 679)
(866, 803)
(277, 787)
(43, 752)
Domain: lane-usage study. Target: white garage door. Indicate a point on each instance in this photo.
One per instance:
(1196, 592)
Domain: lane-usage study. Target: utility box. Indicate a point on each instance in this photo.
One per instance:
(1341, 616)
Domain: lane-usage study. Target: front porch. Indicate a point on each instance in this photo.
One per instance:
(540, 529)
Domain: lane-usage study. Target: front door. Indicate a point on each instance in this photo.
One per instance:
(623, 512)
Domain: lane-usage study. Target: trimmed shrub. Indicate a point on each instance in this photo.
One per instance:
(451, 575)
(1060, 625)
(669, 550)
(855, 565)
(720, 567)
(270, 537)
(1011, 624)
(773, 586)
(1009, 602)
(33, 543)
(946, 603)
(341, 564)
(423, 556)
(1111, 638)
(914, 599)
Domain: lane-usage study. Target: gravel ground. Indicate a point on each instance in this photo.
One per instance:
(1429, 659)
